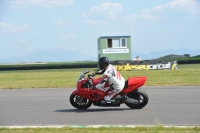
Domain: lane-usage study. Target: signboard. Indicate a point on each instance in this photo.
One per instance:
(115, 50)
(144, 65)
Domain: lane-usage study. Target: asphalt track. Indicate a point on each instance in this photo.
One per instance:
(38, 107)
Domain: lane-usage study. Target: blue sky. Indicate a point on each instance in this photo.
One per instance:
(28, 26)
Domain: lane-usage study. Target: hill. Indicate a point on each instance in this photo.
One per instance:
(180, 57)
(59, 55)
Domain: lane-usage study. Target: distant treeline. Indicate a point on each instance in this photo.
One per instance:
(184, 60)
(189, 62)
(67, 65)
(63, 65)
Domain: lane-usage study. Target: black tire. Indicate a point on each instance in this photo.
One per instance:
(138, 95)
(79, 102)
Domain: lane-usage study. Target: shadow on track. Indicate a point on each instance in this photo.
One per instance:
(91, 110)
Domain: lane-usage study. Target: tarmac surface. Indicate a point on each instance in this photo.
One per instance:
(176, 106)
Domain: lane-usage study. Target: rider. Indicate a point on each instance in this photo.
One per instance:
(111, 79)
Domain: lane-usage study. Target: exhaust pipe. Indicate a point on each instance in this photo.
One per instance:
(103, 102)
(130, 100)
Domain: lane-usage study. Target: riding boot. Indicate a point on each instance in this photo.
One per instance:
(110, 95)
(107, 99)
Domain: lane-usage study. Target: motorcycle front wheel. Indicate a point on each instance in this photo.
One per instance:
(79, 102)
(139, 95)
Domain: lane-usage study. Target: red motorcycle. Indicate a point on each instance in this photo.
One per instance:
(85, 96)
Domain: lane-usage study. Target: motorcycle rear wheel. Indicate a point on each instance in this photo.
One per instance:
(139, 95)
(79, 102)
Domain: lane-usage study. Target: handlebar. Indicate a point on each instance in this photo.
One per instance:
(90, 76)
(87, 71)
(90, 79)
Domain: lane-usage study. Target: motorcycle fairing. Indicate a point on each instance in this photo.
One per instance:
(134, 83)
(95, 95)
(92, 95)
(96, 81)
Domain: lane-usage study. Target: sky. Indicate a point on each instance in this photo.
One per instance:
(27, 26)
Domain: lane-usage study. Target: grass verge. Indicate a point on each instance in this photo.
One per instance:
(186, 75)
(138, 129)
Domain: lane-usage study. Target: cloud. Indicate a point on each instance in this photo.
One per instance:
(25, 3)
(143, 15)
(24, 42)
(106, 9)
(191, 6)
(89, 21)
(62, 22)
(69, 36)
(5, 27)
(83, 14)
(176, 7)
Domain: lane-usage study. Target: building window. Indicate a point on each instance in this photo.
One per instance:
(109, 42)
(123, 42)
(116, 43)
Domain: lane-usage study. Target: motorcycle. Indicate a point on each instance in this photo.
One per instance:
(84, 96)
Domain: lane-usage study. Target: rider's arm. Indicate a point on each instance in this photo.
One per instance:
(104, 80)
(98, 73)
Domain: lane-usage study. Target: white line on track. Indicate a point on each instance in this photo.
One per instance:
(94, 126)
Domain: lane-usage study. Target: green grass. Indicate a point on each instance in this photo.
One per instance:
(186, 75)
(156, 129)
